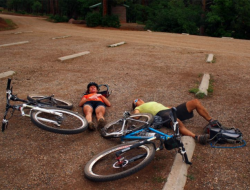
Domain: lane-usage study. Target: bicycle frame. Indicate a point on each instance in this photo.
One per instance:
(136, 135)
(157, 135)
(21, 107)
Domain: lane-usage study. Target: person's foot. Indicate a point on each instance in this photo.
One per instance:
(202, 139)
(101, 124)
(91, 126)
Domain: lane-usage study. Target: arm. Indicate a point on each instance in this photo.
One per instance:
(106, 101)
(136, 111)
(84, 100)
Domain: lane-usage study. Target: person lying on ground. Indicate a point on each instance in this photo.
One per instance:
(96, 103)
(184, 112)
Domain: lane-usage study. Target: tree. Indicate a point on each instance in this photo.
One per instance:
(229, 18)
(174, 16)
(36, 7)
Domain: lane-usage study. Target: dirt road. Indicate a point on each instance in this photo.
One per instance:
(153, 66)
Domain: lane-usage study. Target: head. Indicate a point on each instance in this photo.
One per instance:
(92, 87)
(137, 102)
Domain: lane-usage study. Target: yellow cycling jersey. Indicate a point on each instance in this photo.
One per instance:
(151, 107)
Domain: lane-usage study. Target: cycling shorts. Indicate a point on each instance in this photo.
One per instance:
(182, 112)
(94, 104)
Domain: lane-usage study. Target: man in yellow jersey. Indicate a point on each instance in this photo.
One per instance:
(184, 111)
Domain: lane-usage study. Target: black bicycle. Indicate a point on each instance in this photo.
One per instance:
(126, 159)
(46, 112)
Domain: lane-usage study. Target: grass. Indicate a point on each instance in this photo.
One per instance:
(10, 25)
(158, 179)
(190, 177)
(210, 89)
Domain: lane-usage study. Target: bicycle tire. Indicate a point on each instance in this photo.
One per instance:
(102, 167)
(70, 122)
(113, 129)
(60, 103)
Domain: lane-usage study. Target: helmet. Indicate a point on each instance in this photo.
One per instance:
(92, 84)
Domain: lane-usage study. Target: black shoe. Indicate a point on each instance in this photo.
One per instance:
(203, 139)
(101, 124)
(91, 126)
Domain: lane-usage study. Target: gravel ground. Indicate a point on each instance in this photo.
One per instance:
(151, 65)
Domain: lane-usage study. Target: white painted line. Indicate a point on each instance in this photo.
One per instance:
(210, 58)
(227, 38)
(22, 32)
(117, 44)
(73, 56)
(12, 44)
(178, 176)
(7, 74)
(60, 37)
(204, 84)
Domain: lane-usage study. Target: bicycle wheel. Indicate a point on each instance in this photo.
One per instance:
(133, 123)
(67, 123)
(52, 101)
(104, 166)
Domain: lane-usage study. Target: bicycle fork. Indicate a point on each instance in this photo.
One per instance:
(183, 153)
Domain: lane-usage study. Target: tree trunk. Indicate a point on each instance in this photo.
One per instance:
(202, 29)
(105, 7)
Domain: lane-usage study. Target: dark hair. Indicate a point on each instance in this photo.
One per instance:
(133, 105)
(92, 84)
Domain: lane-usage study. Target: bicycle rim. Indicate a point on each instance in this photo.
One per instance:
(138, 121)
(133, 123)
(68, 123)
(104, 166)
(50, 101)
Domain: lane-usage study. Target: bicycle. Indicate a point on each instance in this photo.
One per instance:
(126, 159)
(45, 112)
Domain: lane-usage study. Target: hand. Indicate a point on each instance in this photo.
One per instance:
(95, 97)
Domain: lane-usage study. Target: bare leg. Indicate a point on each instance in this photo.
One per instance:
(184, 130)
(100, 111)
(196, 105)
(88, 111)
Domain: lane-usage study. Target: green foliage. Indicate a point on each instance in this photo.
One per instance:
(137, 13)
(93, 19)
(229, 18)
(111, 21)
(58, 18)
(190, 177)
(21, 12)
(10, 23)
(174, 16)
(3, 3)
(96, 19)
(36, 7)
(194, 90)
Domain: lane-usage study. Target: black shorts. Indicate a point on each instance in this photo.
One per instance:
(182, 112)
(94, 104)
(165, 115)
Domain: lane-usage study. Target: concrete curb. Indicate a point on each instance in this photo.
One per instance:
(12, 44)
(204, 84)
(178, 176)
(73, 56)
(7, 74)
